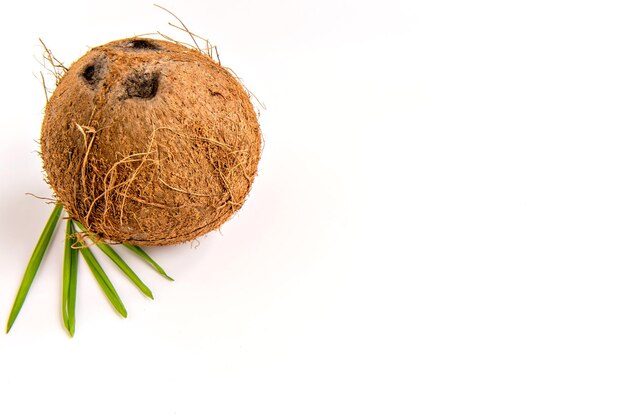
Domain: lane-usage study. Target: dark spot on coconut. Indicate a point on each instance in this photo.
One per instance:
(143, 44)
(89, 72)
(216, 93)
(141, 85)
(94, 72)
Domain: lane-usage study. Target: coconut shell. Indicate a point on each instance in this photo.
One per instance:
(149, 142)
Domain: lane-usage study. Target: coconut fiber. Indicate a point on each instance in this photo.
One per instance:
(149, 142)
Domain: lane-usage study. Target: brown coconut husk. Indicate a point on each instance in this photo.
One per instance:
(150, 142)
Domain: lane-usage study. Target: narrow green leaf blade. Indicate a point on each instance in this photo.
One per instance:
(67, 272)
(141, 253)
(115, 257)
(34, 263)
(103, 280)
(70, 268)
(71, 307)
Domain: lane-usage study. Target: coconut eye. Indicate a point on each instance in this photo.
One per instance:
(94, 72)
(141, 85)
(89, 73)
(142, 44)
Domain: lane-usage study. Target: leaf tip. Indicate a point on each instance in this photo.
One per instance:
(10, 324)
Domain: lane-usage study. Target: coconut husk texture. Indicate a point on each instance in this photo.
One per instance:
(150, 142)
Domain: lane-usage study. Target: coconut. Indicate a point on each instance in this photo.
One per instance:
(149, 142)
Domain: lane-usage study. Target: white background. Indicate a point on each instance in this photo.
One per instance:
(438, 228)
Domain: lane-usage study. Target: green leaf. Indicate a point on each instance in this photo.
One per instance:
(70, 269)
(115, 257)
(141, 253)
(103, 280)
(34, 263)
